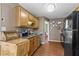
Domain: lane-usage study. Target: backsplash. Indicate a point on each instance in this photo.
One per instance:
(26, 31)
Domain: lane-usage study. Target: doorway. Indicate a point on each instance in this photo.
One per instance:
(46, 31)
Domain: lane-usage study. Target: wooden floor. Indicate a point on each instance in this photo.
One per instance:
(50, 49)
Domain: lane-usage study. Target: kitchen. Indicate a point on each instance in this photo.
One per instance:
(23, 33)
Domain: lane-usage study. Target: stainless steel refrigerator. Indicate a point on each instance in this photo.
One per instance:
(71, 34)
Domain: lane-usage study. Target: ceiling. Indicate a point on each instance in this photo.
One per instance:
(61, 9)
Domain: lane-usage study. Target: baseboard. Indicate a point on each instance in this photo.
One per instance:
(55, 41)
(51, 41)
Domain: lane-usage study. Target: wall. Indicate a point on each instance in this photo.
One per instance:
(41, 28)
(7, 12)
(54, 32)
(0, 27)
(0, 16)
(0, 21)
(8, 15)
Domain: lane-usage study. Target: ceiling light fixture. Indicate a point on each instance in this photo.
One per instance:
(50, 7)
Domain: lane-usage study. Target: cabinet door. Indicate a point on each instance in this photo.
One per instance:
(30, 17)
(21, 49)
(4, 52)
(31, 20)
(8, 50)
(38, 41)
(35, 22)
(31, 47)
(18, 15)
(24, 18)
(21, 16)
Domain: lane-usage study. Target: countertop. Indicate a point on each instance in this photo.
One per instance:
(30, 36)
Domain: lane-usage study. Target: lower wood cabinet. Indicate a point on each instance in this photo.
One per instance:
(31, 46)
(34, 44)
(20, 47)
(17, 47)
(38, 41)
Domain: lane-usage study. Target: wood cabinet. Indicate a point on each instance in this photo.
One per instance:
(38, 41)
(20, 47)
(31, 46)
(34, 44)
(21, 17)
(17, 47)
(34, 21)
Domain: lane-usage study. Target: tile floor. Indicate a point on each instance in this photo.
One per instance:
(50, 49)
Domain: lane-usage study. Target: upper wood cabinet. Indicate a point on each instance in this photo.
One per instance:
(34, 21)
(25, 19)
(21, 17)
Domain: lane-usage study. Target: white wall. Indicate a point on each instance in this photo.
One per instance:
(0, 16)
(41, 28)
(8, 15)
(0, 21)
(54, 32)
(0, 27)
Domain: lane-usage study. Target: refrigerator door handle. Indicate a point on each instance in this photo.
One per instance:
(75, 30)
